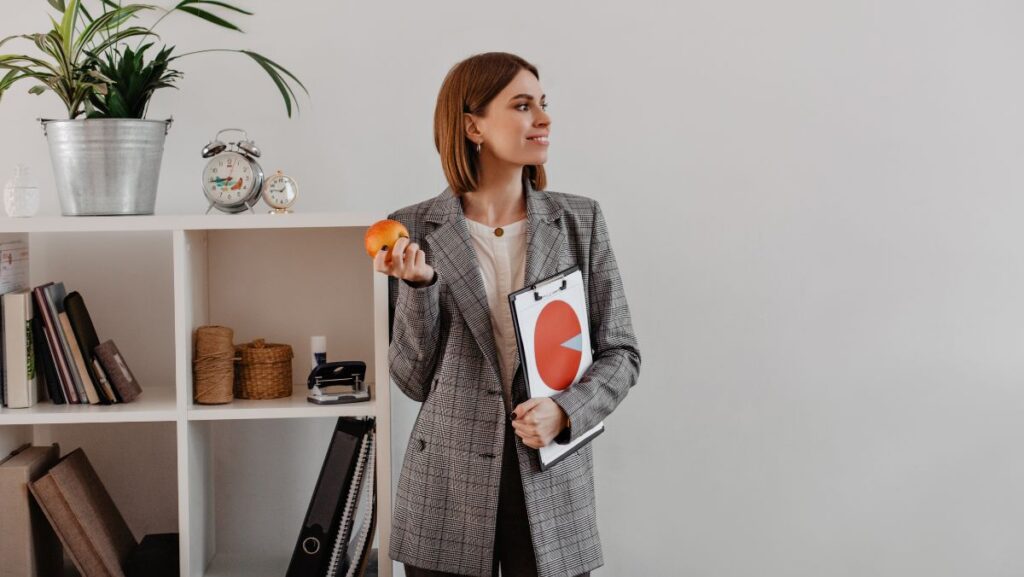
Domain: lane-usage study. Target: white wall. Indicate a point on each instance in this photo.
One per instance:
(817, 211)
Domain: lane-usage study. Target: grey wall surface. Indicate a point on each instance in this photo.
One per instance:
(817, 211)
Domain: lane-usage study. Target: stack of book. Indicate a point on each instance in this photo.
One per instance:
(49, 343)
(70, 506)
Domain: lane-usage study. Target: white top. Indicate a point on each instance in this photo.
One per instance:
(503, 267)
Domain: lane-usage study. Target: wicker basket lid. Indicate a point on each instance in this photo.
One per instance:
(260, 351)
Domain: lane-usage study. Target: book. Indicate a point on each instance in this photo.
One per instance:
(45, 369)
(28, 545)
(352, 551)
(54, 294)
(79, 362)
(84, 516)
(13, 277)
(53, 345)
(19, 368)
(88, 340)
(117, 371)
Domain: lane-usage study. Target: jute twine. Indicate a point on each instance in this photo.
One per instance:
(213, 368)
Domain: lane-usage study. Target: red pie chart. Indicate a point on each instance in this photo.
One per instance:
(558, 344)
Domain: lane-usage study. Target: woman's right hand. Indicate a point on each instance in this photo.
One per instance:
(407, 262)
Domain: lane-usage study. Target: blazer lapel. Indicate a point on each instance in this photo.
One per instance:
(456, 261)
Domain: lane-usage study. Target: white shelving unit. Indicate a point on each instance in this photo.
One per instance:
(233, 480)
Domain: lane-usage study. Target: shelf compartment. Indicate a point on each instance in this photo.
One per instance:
(258, 478)
(262, 285)
(295, 406)
(156, 404)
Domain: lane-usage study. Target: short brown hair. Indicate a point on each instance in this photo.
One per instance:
(469, 87)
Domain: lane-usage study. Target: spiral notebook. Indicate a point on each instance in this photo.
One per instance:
(553, 335)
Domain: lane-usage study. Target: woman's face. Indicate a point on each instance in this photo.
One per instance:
(515, 126)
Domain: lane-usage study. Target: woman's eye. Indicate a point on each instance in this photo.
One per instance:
(524, 107)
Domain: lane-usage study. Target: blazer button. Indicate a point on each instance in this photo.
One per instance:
(423, 444)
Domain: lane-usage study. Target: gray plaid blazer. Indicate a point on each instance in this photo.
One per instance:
(443, 354)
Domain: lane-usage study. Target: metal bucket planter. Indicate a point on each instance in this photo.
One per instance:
(106, 166)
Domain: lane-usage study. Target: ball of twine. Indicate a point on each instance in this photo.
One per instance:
(213, 369)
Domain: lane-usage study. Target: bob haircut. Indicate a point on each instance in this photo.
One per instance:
(469, 87)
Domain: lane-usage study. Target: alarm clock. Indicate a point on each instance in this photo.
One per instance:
(279, 192)
(232, 179)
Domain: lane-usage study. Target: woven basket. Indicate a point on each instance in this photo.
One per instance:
(263, 370)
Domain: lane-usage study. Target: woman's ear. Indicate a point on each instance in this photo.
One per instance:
(472, 129)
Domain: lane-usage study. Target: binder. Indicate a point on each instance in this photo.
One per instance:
(312, 554)
(553, 336)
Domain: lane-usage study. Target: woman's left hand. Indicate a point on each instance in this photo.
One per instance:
(538, 421)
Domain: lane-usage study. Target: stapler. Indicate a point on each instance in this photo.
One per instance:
(338, 382)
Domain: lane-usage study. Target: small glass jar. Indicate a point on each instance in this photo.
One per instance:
(21, 194)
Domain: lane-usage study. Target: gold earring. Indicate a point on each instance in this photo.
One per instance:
(478, 145)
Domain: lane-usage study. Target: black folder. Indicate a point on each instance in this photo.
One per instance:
(312, 554)
(85, 334)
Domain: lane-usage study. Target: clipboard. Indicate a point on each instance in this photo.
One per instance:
(553, 335)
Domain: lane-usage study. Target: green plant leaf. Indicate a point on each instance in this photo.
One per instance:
(38, 89)
(213, 3)
(272, 68)
(209, 17)
(58, 5)
(67, 26)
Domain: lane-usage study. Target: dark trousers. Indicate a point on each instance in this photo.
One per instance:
(513, 549)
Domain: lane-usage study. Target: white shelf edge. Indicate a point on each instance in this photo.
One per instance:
(156, 405)
(171, 222)
(293, 407)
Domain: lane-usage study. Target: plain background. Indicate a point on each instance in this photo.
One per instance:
(817, 212)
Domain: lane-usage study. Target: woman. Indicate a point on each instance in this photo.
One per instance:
(471, 495)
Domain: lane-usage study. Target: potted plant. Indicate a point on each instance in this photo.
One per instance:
(106, 156)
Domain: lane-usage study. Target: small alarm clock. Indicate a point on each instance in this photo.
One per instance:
(232, 179)
(279, 192)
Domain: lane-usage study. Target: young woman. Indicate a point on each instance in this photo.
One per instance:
(471, 495)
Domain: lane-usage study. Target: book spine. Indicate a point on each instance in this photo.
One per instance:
(18, 358)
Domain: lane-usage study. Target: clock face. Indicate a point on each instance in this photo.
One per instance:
(280, 191)
(228, 178)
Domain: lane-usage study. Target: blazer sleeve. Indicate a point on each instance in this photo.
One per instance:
(415, 331)
(616, 363)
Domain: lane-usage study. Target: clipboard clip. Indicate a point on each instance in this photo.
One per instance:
(537, 296)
